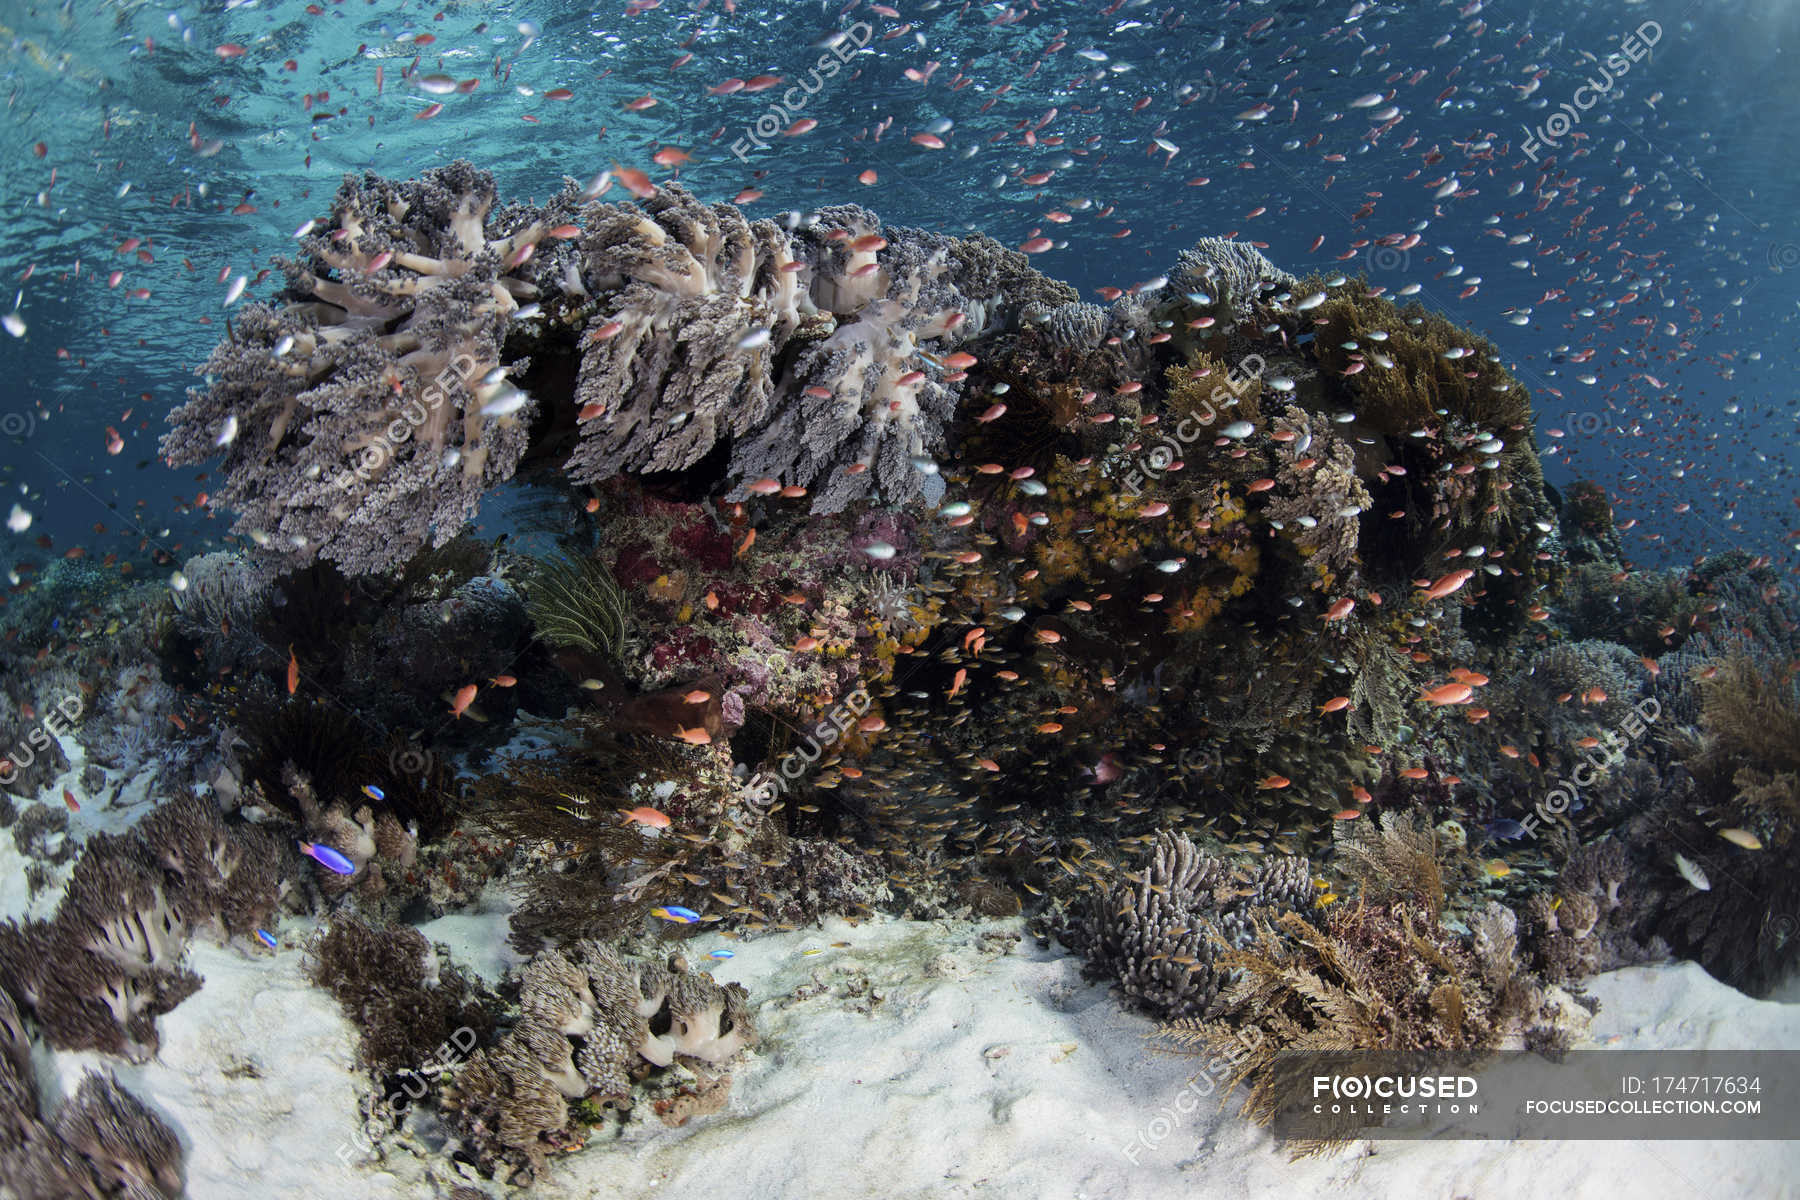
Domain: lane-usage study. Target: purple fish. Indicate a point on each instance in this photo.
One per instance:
(328, 858)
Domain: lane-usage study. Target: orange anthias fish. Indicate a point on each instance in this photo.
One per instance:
(645, 816)
(1447, 584)
(1449, 693)
(694, 737)
(293, 674)
(465, 695)
(69, 799)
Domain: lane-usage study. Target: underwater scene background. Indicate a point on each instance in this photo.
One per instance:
(575, 559)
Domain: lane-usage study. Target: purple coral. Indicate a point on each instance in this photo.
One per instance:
(703, 307)
(367, 416)
(860, 407)
(681, 351)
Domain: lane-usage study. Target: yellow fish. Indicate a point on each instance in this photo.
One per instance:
(1741, 837)
(1498, 869)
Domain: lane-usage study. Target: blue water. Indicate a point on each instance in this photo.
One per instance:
(1668, 211)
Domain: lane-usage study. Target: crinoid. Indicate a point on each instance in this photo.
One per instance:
(575, 604)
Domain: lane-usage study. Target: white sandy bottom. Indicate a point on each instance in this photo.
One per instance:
(976, 1073)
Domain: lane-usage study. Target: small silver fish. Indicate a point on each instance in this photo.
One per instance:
(509, 401)
(1693, 874)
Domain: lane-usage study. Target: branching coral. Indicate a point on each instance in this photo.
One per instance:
(1375, 977)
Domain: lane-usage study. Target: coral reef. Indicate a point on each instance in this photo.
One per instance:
(1377, 977)
(577, 605)
(589, 1022)
(886, 571)
(1159, 934)
(103, 1141)
(97, 973)
(404, 999)
(723, 855)
(366, 416)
